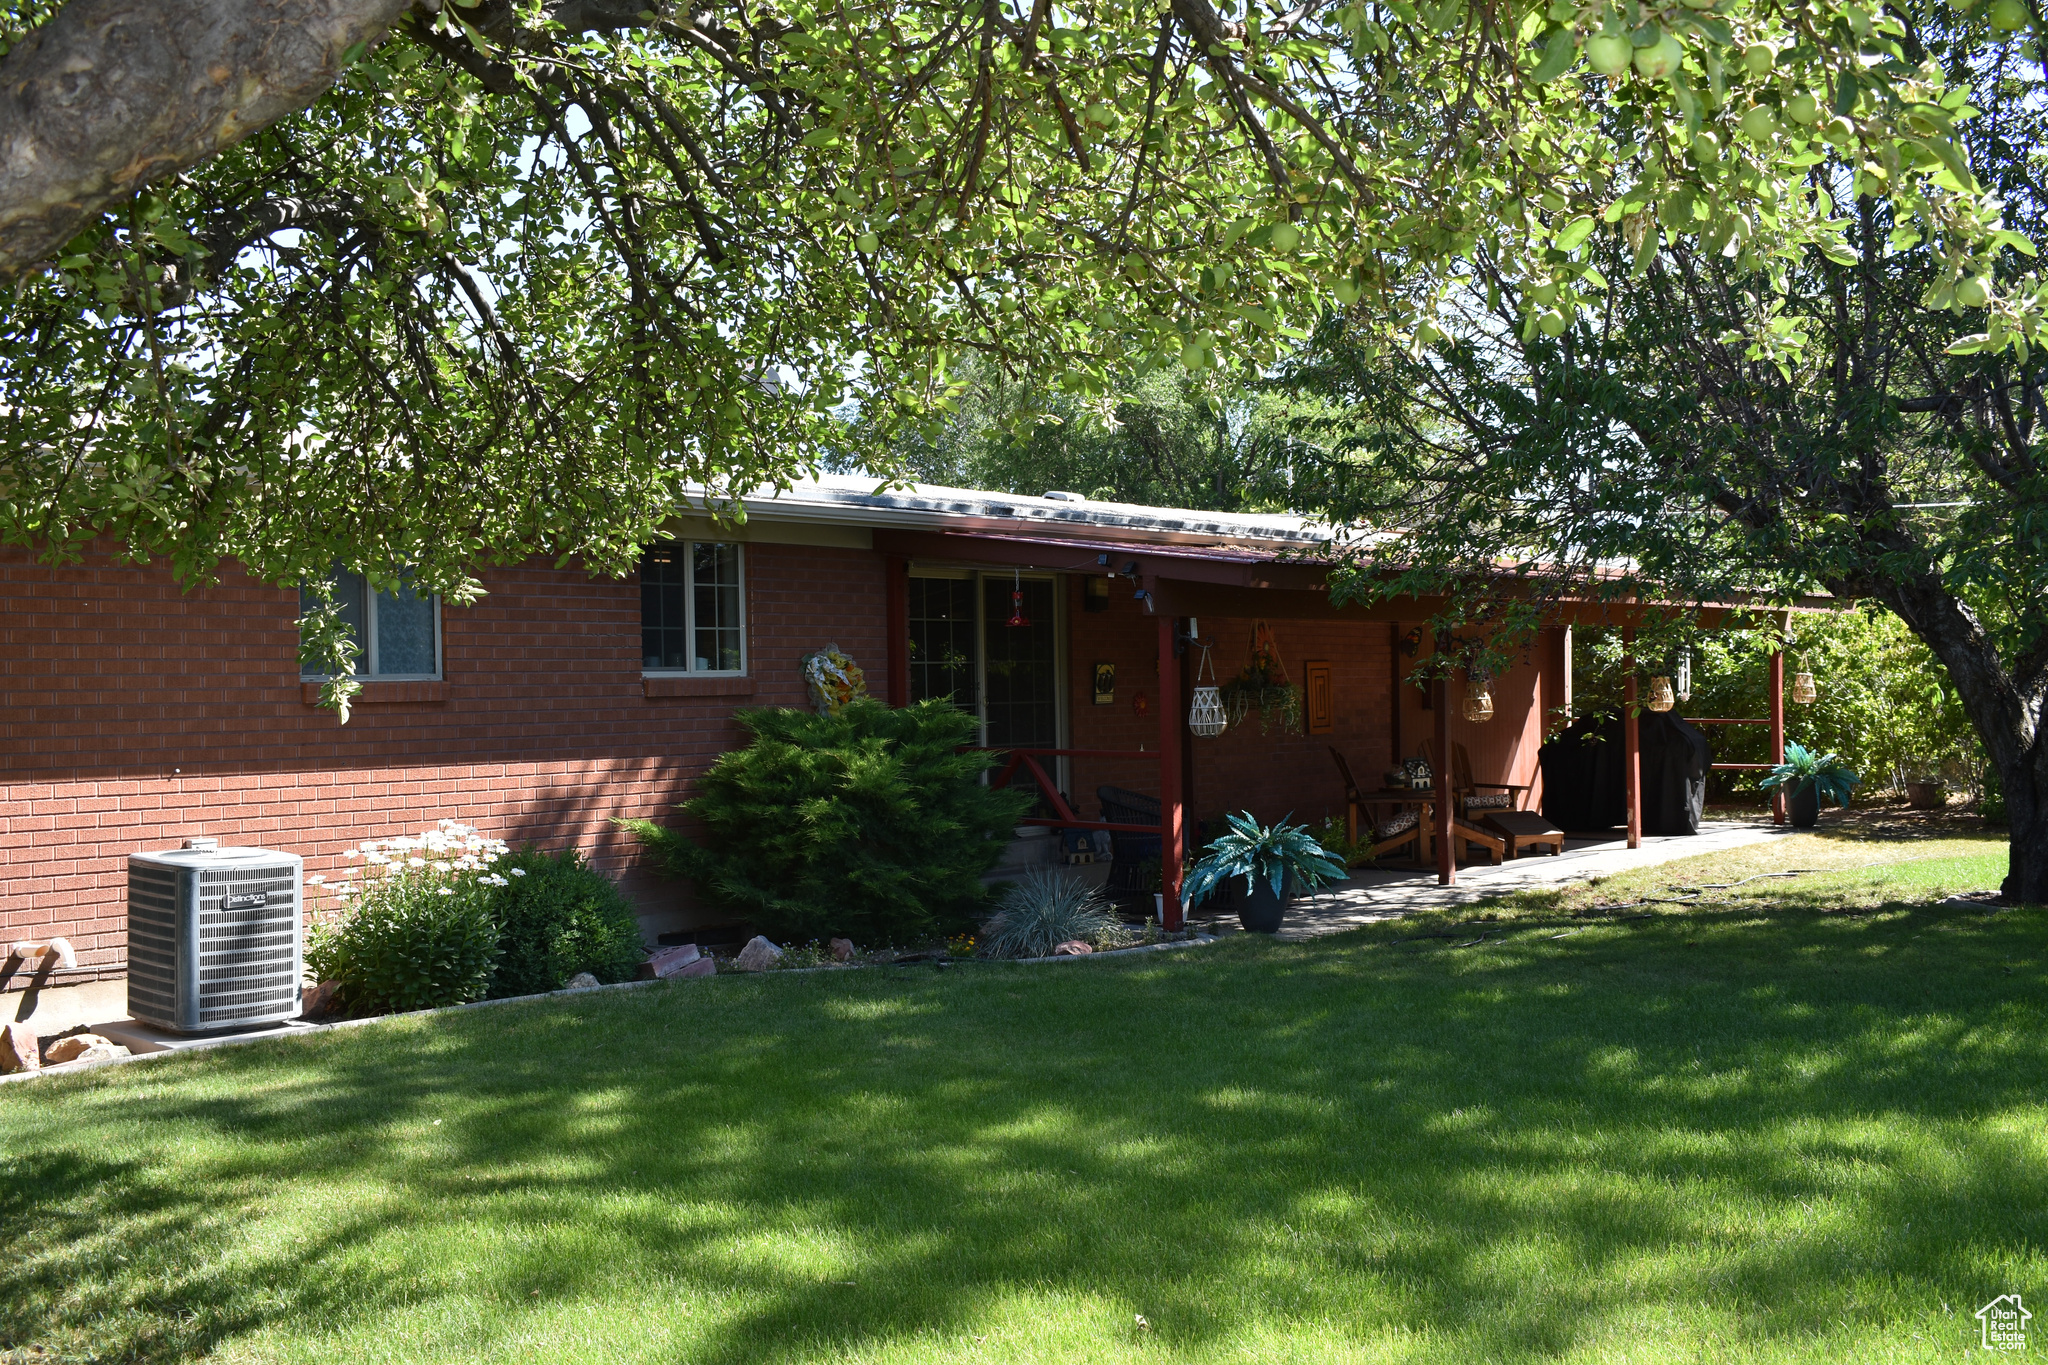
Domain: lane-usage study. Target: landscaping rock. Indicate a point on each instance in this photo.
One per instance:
(102, 1051)
(61, 1050)
(583, 981)
(319, 1002)
(20, 1049)
(1073, 947)
(758, 956)
(843, 950)
(675, 962)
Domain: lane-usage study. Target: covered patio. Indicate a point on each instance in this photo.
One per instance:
(1125, 616)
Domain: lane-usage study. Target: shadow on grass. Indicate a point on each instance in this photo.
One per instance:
(1779, 1129)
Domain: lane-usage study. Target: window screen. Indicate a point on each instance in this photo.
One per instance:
(397, 635)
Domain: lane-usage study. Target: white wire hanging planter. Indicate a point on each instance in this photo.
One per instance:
(1205, 716)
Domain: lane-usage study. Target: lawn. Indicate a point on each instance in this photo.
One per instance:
(1808, 1124)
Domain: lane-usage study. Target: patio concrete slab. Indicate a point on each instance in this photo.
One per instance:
(1376, 894)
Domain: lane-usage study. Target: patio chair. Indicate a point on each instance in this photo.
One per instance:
(1130, 853)
(1402, 829)
(1495, 809)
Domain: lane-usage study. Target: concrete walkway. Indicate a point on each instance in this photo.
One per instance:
(1376, 894)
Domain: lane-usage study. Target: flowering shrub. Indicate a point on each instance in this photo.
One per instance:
(413, 926)
(449, 915)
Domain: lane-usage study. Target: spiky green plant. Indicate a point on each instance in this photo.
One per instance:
(1279, 855)
(1827, 773)
(1049, 908)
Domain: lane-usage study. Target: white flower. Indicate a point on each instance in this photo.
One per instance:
(517, 871)
(316, 880)
(444, 891)
(415, 862)
(351, 853)
(345, 889)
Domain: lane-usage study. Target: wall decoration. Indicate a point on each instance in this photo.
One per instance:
(1320, 703)
(833, 679)
(1105, 684)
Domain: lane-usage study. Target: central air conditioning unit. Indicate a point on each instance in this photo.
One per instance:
(213, 937)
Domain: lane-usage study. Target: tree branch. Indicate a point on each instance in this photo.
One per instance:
(112, 94)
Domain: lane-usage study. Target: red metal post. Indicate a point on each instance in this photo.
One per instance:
(896, 621)
(1446, 849)
(1631, 741)
(1171, 812)
(1778, 730)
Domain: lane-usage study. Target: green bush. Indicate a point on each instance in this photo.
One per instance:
(412, 942)
(871, 823)
(557, 916)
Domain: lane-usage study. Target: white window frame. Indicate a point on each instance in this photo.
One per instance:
(366, 662)
(690, 614)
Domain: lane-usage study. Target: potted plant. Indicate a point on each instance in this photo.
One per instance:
(1807, 777)
(1926, 790)
(1277, 862)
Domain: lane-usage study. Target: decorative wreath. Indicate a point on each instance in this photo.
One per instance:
(834, 679)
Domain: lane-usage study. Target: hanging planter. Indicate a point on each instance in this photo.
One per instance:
(1263, 687)
(1478, 698)
(1661, 698)
(1205, 716)
(1803, 690)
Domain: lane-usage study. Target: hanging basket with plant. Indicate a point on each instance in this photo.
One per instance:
(1263, 687)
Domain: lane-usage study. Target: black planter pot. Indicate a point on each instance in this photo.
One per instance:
(1805, 806)
(1260, 911)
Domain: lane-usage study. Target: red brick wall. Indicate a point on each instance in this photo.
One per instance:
(133, 715)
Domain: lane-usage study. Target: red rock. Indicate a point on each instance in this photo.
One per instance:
(319, 1001)
(20, 1049)
(843, 950)
(703, 966)
(1073, 947)
(671, 962)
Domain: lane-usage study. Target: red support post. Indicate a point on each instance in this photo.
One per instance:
(896, 621)
(1778, 730)
(1446, 848)
(1171, 813)
(1631, 741)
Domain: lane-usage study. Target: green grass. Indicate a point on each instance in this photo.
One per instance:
(1759, 1131)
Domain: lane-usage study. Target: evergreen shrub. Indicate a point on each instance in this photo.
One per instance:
(871, 823)
(557, 916)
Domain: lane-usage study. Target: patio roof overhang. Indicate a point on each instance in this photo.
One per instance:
(1253, 581)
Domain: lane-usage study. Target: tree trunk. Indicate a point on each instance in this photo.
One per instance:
(111, 94)
(2006, 711)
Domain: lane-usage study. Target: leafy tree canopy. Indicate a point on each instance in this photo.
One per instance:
(1708, 435)
(528, 271)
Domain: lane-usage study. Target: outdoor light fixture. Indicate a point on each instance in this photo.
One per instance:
(1803, 690)
(1206, 716)
(1478, 700)
(1660, 694)
(1017, 616)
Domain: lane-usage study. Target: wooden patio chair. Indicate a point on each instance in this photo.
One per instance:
(1402, 829)
(1495, 807)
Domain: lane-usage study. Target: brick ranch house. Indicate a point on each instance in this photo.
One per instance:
(137, 714)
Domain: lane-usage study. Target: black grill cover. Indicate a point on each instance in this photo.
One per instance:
(1582, 775)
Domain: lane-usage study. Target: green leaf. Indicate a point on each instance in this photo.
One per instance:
(1559, 50)
(1574, 233)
